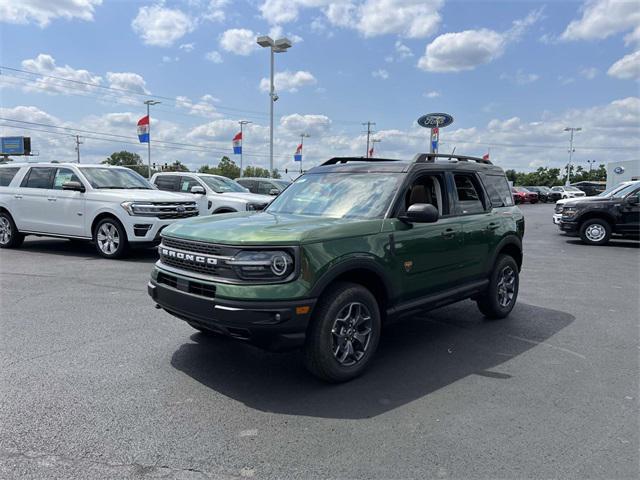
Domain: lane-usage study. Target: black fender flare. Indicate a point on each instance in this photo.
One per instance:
(352, 263)
(507, 240)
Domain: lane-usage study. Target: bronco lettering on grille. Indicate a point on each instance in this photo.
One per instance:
(188, 257)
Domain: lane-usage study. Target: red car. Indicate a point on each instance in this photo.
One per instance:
(522, 195)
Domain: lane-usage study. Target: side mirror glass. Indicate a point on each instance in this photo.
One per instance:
(420, 213)
(198, 190)
(633, 200)
(274, 191)
(74, 186)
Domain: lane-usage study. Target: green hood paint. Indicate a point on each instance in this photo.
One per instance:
(248, 228)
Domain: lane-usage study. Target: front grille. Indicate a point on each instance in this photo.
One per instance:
(169, 210)
(221, 269)
(200, 247)
(196, 288)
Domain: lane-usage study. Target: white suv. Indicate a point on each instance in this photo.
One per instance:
(113, 206)
(223, 194)
(569, 192)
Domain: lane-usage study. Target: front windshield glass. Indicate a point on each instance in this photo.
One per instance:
(338, 195)
(522, 190)
(626, 190)
(106, 177)
(611, 190)
(222, 185)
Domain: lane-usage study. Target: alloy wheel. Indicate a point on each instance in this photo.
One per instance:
(5, 231)
(595, 232)
(506, 286)
(108, 238)
(351, 333)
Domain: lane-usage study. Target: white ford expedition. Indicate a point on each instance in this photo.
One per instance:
(223, 194)
(112, 206)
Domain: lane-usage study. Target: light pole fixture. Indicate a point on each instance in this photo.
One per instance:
(242, 124)
(571, 150)
(302, 137)
(590, 162)
(275, 46)
(148, 103)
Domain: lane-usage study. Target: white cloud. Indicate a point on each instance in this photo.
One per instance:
(43, 12)
(380, 73)
(127, 81)
(204, 107)
(564, 80)
(603, 18)
(168, 59)
(402, 50)
(215, 10)
(459, 51)
(589, 73)
(160, 26)
(432, 94)
(45, 64)
(240, 41)
(627, 68)
(213, 56)
(187, 47)
(296, 124)
(289, 81)
(520, 77)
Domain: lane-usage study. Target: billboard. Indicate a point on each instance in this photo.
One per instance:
(15, 145)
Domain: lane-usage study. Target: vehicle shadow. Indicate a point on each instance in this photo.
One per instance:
(83, 249)
(614, 242)
(415, 358)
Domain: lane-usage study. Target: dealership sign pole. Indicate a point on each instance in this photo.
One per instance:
(435, 121)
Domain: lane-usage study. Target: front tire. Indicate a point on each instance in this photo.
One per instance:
(343, 334)
(501, 295)
(10, 237)
(110, 238)
(595, 232)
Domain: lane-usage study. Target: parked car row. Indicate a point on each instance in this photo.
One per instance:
(595, 220)
(535, 194)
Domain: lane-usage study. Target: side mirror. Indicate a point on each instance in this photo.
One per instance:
(420, 213)
(74, 186)
(274, 191)
(632, 200)
(198, 190)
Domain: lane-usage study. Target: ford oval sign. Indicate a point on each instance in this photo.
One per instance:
(619, 170)
(435, 120)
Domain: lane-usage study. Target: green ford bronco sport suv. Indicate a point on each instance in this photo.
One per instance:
(349, 246)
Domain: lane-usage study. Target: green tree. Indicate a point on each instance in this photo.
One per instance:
(275, 173)
(228, 168)
(208, 169)
(255, 172)
(176, 166)
(127, 159)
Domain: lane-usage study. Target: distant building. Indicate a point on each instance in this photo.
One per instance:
(622, 172)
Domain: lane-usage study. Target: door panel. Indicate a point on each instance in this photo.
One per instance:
(67, 216)
(630, 217)
(33, 205)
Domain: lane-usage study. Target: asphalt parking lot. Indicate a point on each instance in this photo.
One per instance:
(97, 383)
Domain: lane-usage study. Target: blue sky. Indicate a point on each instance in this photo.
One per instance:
(512, 73)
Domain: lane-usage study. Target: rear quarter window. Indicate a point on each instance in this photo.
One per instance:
(498, 190)
(6, 175)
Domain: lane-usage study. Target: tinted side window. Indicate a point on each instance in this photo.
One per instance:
(265, 187)
(498, 190)
(250, 184)
(64, 175)
(38, 177)
(186, 183)
(469, 194)
(167, 182)
(6, 175)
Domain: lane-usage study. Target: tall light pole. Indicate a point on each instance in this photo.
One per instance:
(148, 103)
(369, 132)
(302, 137)
(276, 46)
(590, 162)
(79, 142)
(571, 150)
(242, 124)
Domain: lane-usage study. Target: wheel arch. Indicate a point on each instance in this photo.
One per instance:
(224, 209)
(102, 215)
(595, 214)
(510, 245)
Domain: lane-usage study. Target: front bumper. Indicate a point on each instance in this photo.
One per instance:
(146, 229)
(556, 218)
(569, 227)
(273, 325)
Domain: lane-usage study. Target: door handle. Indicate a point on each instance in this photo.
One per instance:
(448, 233)
(493, 226)
(52, 199)
(17, 196)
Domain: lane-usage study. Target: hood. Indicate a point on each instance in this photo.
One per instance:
(580, 199)
(135, 195)
(266, 228)
(248, 197)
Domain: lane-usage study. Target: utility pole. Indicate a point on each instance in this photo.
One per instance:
(302, 137)
(369, 132)
(148, 103)
(242, 124)
(78, 143)
(373, 146)
(571, 150)
(590, 162)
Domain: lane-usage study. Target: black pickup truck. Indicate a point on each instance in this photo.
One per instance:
(597, 219)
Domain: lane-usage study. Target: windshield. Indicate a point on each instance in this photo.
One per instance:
(572, 189)
(338, 195)
(282, 184)
(107, 177)
(623, 192)
(521, 190)
(609, 192)
(222, 185)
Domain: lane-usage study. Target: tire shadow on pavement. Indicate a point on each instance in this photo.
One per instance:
(84, 249)
(614, 242)
(415, 357)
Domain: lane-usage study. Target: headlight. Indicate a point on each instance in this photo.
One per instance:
(134, 208)
(262, 265)
(569, 211)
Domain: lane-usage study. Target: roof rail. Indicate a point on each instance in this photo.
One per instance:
(334, 160)
(432, 157)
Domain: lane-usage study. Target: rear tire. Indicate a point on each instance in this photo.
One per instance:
(10, 237)
(110, 238)
(500, 296)
(343, 334)
(595, 232)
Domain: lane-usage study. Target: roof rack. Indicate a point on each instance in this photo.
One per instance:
(334, 160)
(432, 157)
